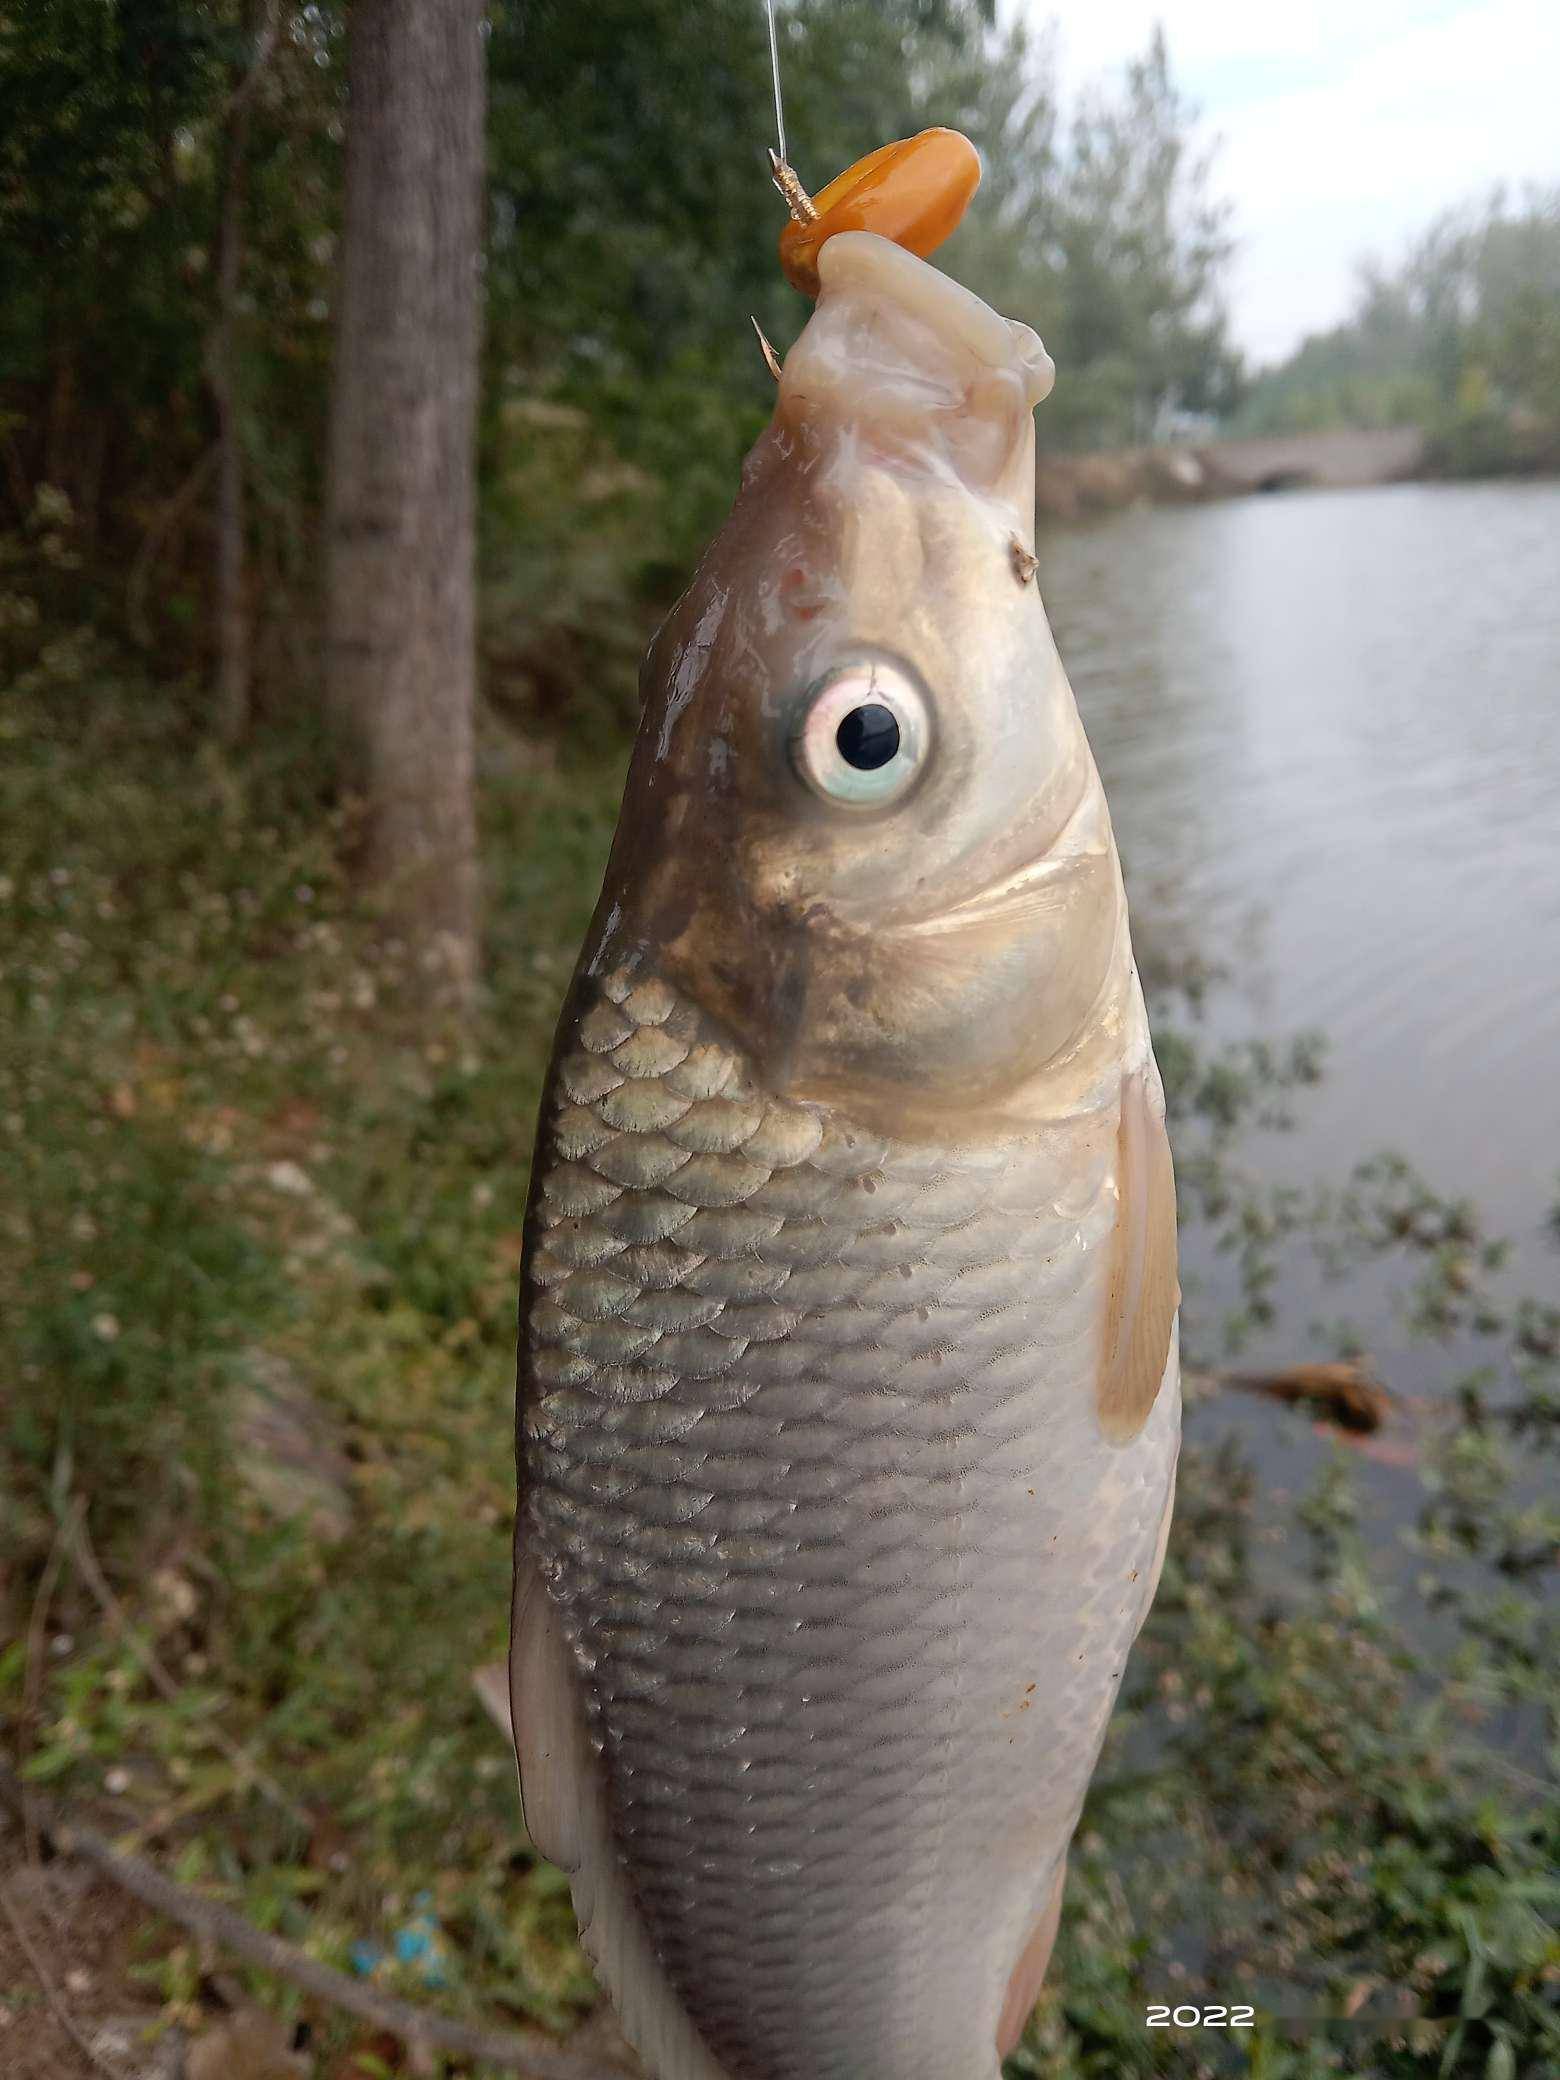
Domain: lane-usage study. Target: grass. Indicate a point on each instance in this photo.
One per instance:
(224, 1163)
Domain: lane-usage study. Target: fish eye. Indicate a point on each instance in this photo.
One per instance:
(863, 735)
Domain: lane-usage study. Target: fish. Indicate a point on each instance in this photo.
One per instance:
(849, 1399)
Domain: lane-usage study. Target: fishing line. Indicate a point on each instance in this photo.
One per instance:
(774, 66)
(797, 199)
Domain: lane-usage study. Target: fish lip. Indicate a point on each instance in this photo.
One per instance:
(864, 261)
(1013, 894)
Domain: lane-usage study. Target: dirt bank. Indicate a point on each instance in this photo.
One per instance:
(1074, 484)
(1070, 485)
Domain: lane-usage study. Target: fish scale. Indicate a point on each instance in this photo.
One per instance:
(790, 1395)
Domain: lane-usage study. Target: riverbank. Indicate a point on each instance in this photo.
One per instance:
(1072, 485)
(1069, 487)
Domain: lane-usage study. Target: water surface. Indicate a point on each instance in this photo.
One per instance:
(1329, 727)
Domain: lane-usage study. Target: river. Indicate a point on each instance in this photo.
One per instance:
(1329, 728)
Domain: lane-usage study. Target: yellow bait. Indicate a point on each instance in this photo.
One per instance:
(914, 192)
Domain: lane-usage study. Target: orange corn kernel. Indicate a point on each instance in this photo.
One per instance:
(913, 192)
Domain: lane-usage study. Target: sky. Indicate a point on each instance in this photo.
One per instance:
(1345, 125)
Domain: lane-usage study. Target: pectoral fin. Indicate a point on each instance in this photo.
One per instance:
(1028, 1975)
(1145, 1287)
(565, 1805)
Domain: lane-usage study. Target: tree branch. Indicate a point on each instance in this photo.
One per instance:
(527, 2052)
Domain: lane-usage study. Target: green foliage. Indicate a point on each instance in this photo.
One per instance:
(220, 1158)
(1101, 233)
(1139, 249)
(1462, 338)
(632, 231)
(111, 120)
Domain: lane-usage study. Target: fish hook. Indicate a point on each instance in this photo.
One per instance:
(771, 358)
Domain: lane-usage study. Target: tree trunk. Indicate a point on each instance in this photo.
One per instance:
(400, 610)
(233, 649)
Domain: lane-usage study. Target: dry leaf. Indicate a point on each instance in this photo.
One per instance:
(248, 2045)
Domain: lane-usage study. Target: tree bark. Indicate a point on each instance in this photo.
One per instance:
(400, 610)
(233, 647)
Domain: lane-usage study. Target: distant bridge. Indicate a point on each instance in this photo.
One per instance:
(1280, 462)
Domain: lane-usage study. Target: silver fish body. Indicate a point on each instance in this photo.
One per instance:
(849, 1400)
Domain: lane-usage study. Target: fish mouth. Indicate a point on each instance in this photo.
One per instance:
(904, 357)
(1032, 889)
(859, 260)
